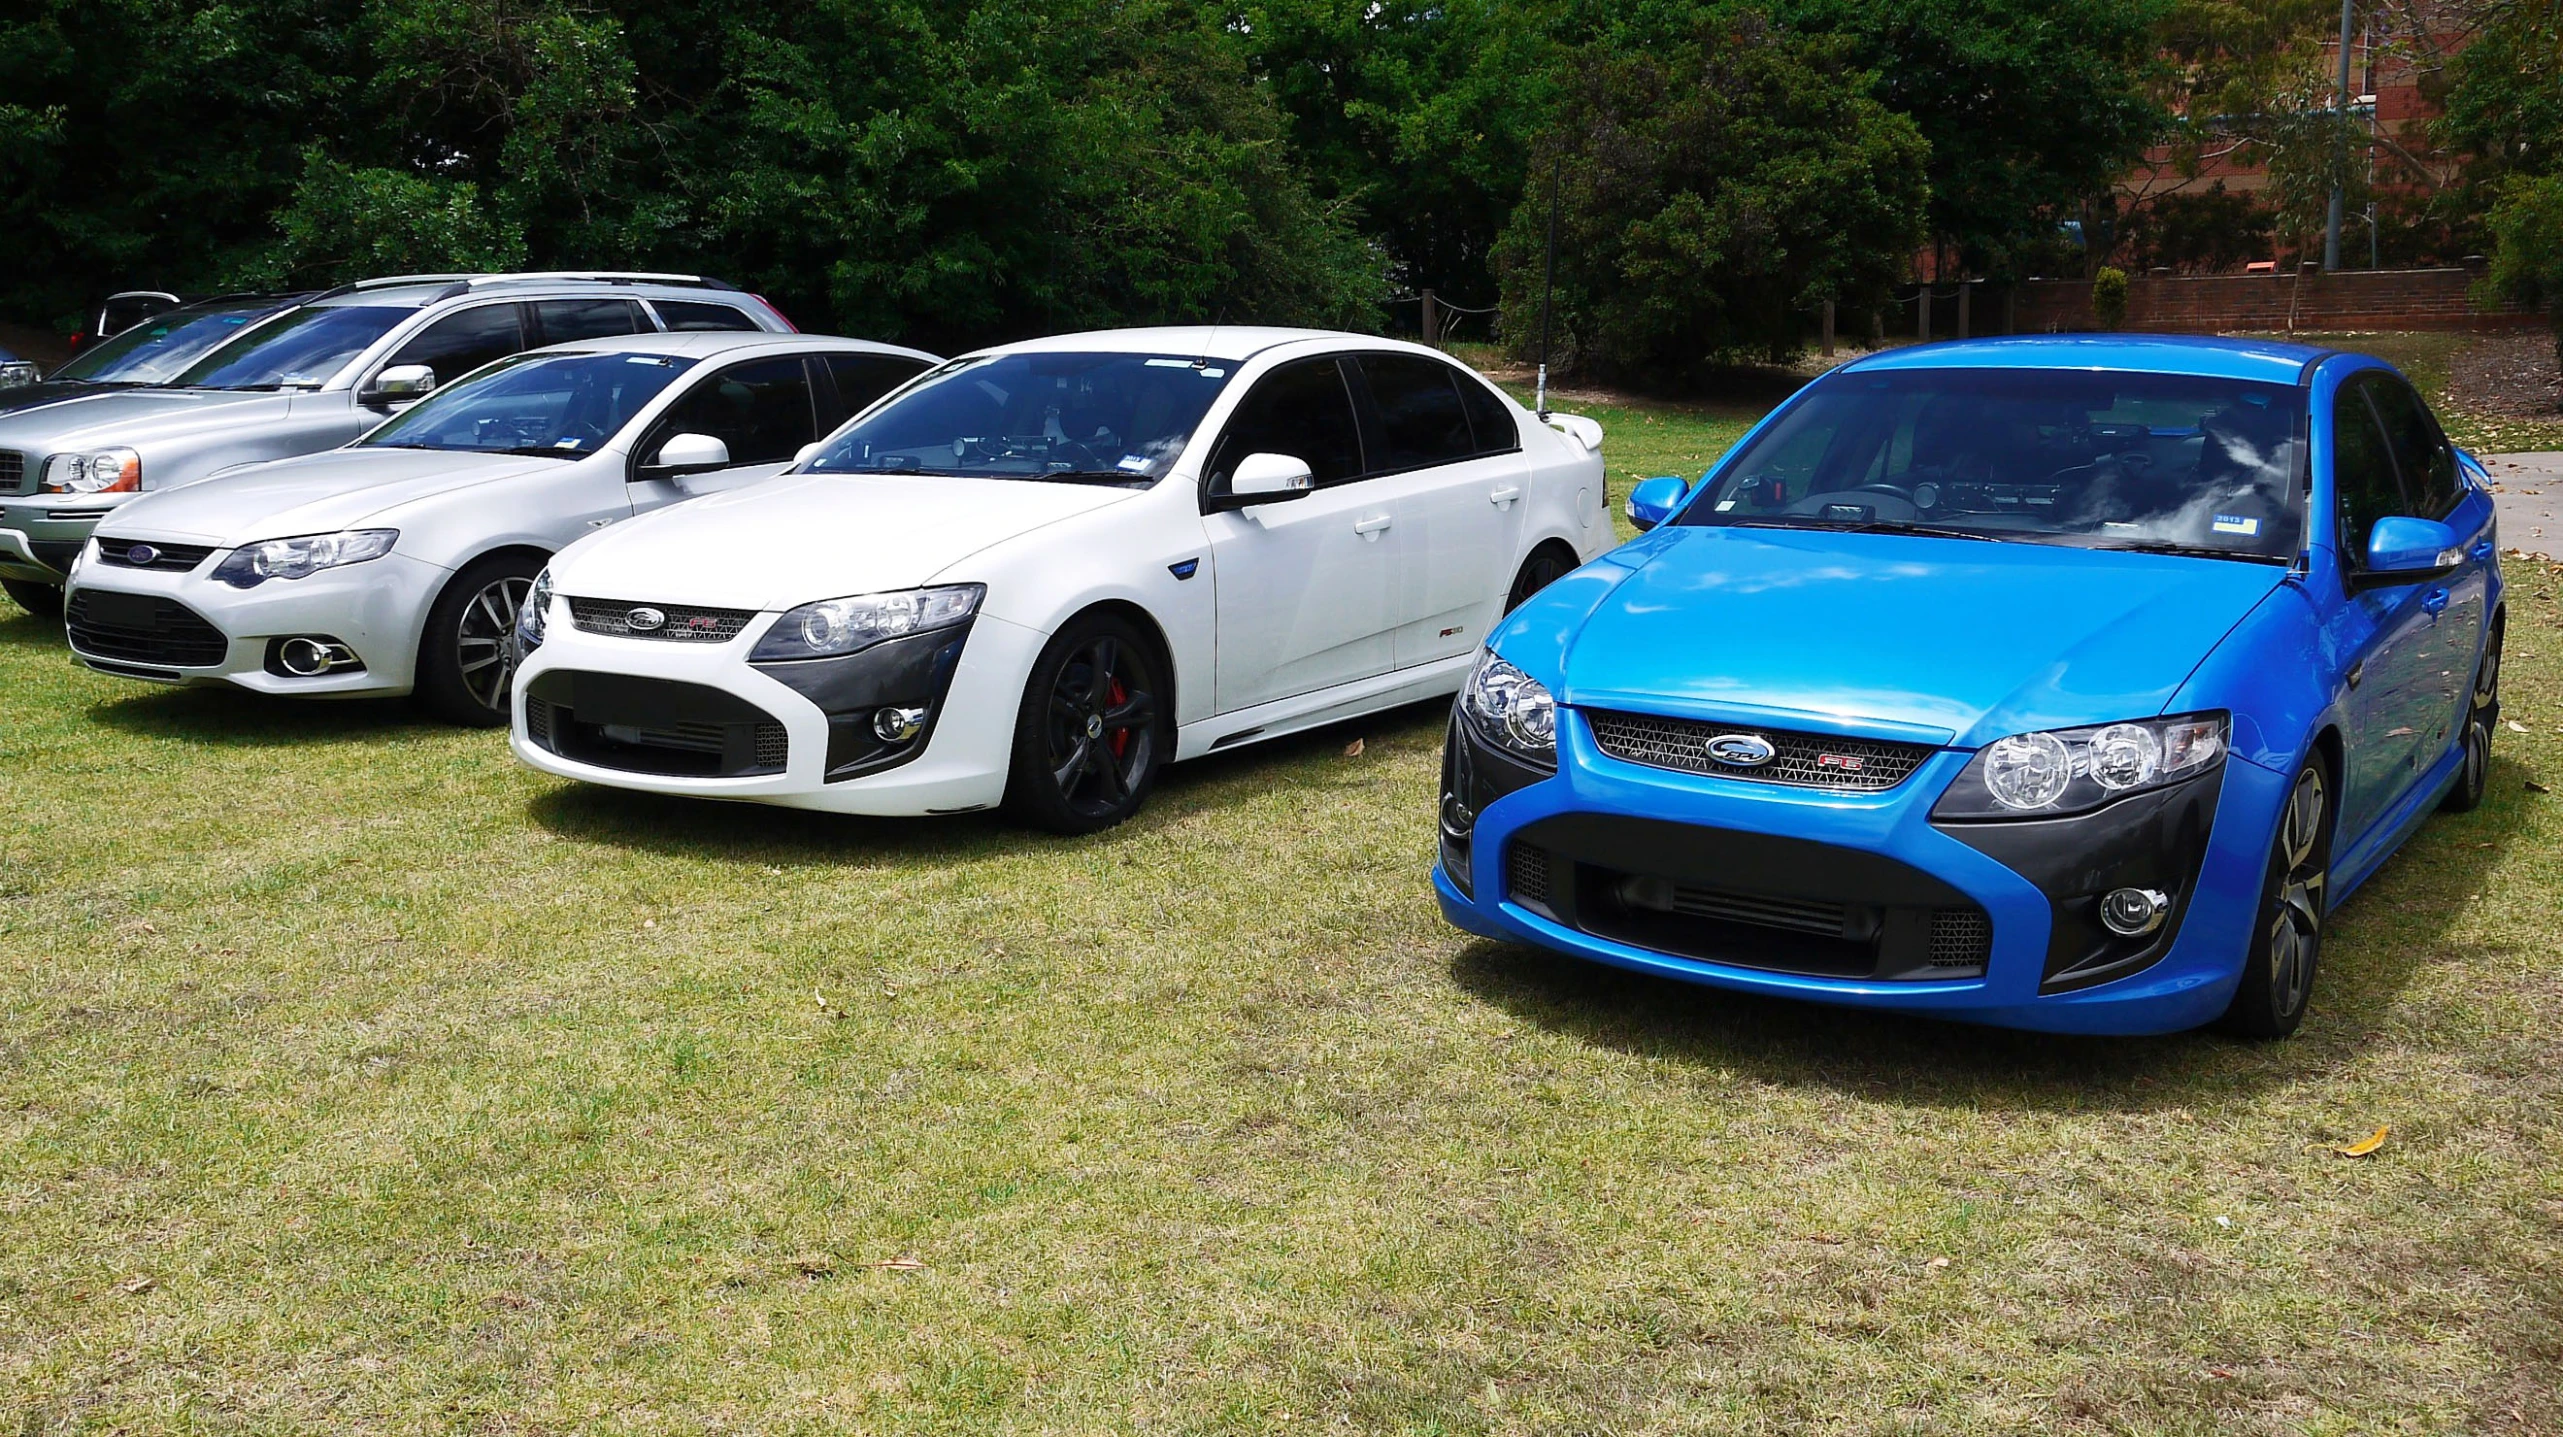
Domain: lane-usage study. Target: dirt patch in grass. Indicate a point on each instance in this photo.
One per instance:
(2511, 375)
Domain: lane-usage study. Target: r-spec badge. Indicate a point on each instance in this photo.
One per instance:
(1741, 750)
(645, 620)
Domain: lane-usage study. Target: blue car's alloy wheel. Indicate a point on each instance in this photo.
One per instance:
(2475, 773)
(2278, 974)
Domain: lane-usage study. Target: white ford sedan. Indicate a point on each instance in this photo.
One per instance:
(397, 564)
(1046, 569)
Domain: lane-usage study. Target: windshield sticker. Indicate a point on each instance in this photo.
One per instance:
(2234, 524)
(1172, 363)
(1133, 463)
(648, 359)
(1725, 504)
(1214, 374)
(565, 443)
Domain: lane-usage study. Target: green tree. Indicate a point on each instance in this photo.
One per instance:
(2505, 108)
(1710, 191)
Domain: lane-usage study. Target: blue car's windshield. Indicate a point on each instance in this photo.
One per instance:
(159, 348)
(2167, 462)
(1112, 418)
(299, 349)
(563, 405)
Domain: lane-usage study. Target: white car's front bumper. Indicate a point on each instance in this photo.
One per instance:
(375, 608)
(961, 767)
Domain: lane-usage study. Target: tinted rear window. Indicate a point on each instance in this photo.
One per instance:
(691, 314)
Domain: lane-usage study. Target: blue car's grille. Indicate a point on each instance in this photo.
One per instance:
(1807, 760)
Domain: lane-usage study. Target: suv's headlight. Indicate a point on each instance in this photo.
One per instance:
(2047, 775)
(95, 471)
(529, 619)
(253, 564)
(842, 626)
(18, 372)
(1511, 710)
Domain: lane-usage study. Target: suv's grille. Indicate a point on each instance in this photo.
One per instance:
(13, 471)
(1960, 938)
(168, 558)
(167, 633)
(685, 625)
(1809, 760)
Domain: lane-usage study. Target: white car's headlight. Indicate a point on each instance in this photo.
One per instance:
(529, 619)
(832, 627)
(253, 564)
(93, 471)
(1511, 710)
(2046, 775)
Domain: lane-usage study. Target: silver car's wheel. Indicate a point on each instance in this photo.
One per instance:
(485, 641)
(467, 653)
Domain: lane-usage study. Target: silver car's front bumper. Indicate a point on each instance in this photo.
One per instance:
(376, 608)
(40, 534)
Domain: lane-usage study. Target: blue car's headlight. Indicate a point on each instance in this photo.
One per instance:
(843, 626)
(299, 558)
(1511, 710)
(2047, 775)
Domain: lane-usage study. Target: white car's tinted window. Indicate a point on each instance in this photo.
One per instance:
(1302, 410)
(557, 404)
(1421, 418)
(1071, 417)
(1490, 420)
(299, 349)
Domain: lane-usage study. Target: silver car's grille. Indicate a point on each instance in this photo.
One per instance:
(1807, 760)
(144, 554)
(676, 622)
(13, 472)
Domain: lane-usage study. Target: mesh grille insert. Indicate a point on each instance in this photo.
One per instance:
(1806, 760)
(171, 635)
(538, 722)
(1960, 938)
(773, 745)
(1526, 874)
(678, 623)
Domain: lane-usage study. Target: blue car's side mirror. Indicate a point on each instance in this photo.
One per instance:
(2408, 550)
(1654, 500)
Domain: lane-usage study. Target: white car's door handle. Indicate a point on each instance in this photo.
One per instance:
(1371, 527)
(1504, 496)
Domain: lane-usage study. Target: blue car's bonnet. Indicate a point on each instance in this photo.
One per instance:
(1932, 639)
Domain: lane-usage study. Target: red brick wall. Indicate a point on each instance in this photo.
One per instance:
(2219, 303)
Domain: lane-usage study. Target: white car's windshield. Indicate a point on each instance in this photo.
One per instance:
(562, 405)
(160, 347)
(1106, 418)
(2161, 462)
(299, 349)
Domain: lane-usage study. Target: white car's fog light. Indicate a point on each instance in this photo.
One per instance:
(898, 724)
(2133, 912)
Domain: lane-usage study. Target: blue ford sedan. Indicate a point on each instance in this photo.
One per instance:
(2061, 683)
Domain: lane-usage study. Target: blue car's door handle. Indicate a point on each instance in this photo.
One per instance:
(2434, 602)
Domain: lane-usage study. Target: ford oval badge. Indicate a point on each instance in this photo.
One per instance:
(141, 555)
(645, 620)
(1741, 750)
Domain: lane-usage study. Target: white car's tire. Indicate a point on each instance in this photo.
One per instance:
(1095, 728)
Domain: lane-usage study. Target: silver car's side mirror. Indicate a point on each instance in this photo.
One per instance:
(688, 454)
(401, 384)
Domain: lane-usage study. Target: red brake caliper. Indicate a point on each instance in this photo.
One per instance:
(1120, 736)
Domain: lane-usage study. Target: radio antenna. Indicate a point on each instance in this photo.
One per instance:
(1548, 286)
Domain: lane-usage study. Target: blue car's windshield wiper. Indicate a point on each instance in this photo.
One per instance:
(1873, 526)
(2188, 551)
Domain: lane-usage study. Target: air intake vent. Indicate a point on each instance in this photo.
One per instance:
(13, 472)
(1526, 875)
(1960, 938)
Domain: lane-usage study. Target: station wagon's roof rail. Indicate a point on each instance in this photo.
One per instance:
(601, 276)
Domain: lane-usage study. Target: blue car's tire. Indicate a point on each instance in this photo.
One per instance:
(2474, 773)
(2287, 941)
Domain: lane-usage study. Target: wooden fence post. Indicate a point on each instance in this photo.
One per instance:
(1966, 289)
(1922, 312)
(1432, 321)
(1828, 329)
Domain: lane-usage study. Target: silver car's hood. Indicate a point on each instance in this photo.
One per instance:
(133, 418)
(315, 494)
(815, 536)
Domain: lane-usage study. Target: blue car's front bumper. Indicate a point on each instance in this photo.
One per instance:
(1624, 810)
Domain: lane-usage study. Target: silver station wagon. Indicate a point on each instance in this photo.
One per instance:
(305, 379)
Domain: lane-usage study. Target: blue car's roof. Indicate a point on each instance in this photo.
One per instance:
(2263, 359)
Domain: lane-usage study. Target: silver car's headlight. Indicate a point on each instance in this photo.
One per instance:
(298, 558)
(832, 627)
(1511, 710)
(17, 373)
(93, 471)
(2047, 775)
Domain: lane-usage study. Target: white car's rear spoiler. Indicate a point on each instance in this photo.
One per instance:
(1583, 431)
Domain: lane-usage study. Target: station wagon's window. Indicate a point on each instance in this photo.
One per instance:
(762, 410)
(2164, 462)
(555, 405)
(1061, 415)
(2421, 454)
(687, 315)
(161, 346)
(562, 320)
(1421, 418)
(2363, 484)
(460, 343)
(1302, 410)
(299, 349)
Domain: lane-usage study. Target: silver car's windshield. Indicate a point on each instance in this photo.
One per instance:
(161, 347)
(2170, 463)
(1071, 417)
(299, 349)
(562, 405)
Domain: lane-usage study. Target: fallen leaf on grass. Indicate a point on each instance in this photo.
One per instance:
(1830, 1239)
(138, 1284)
(819, 998)
(815, 1265)
(1939, 1262)
(2534, 787)
(2517, 727)
(2225, 1372)
(908, 1263)
(1353, 749)
(514, 1301)
(2364, 1145)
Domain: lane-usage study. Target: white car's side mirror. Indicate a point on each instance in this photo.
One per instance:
(805, 454)
(1264, 479)
(689, 454)
(401, 384)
